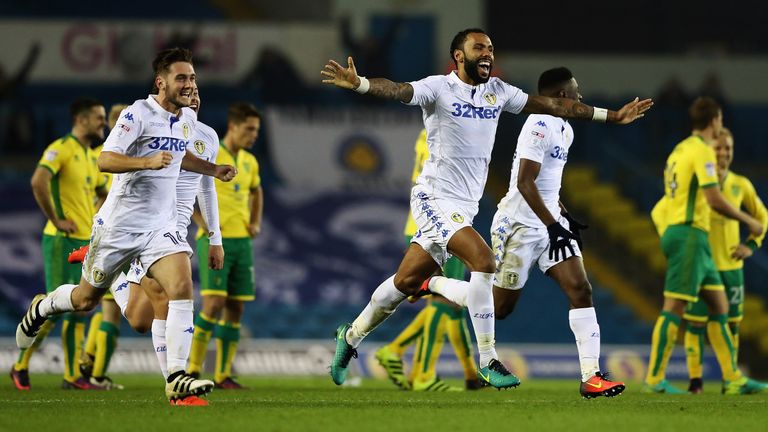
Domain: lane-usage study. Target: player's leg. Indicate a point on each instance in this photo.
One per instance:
(20, 369)
(89, 351)
(433, 338)
(696, 316)
(390, 356)
(227, 334)
(417, 265)
(213, 287)
(106, 343)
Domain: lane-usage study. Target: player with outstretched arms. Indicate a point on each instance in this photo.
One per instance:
(461, 111)
(146, 149)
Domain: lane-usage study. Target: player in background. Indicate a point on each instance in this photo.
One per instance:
(226, 290)
(461, 112)
(104, 328)
(528, 222)
(728, 253)
(438, 318)
(691, 191)
(65, 185)
(147, 149)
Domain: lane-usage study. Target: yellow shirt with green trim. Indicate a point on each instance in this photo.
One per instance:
(234, 196)
(690, 168)
(724, 233)
(422, 153)
(76, 177)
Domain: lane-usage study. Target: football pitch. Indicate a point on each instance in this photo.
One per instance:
(315, 404)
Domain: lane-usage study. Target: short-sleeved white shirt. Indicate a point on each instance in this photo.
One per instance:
(544, 139)
(205, 145)
(142, 201)
(461, 121)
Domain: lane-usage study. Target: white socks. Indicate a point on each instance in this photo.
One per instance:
(121, 291)
(58, 301)
(158, 341)
(584, 326)
(179, 327)
(453, 289)
(480, 305)
(383, 303)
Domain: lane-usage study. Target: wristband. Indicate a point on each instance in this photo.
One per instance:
(752, 244)
(598, 114)
(364, 85)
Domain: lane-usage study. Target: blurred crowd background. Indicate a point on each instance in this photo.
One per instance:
(336, 166)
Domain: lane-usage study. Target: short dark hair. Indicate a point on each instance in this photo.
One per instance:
(552, 78)
(165, 58)
(82, 106)
(240, 111)
(702, 111)
(458, 41)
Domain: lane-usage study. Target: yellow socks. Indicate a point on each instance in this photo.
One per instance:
(662, 343)
(694, 350)
(227, 338)
(203, 331)
(721, 339)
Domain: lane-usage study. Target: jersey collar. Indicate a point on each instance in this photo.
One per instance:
(454, 76)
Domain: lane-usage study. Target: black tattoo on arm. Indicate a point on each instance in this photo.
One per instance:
(384, 88)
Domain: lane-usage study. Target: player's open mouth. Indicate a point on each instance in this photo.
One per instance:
(485, 66)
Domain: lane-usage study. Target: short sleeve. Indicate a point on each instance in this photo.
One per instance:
(126, 131)
(516, 98)
(55, 156)
(425, 90)
(534, 140)
(705, 167)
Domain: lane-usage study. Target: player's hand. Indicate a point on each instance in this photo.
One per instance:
(741, 252)
(225, 173)
(215, 257)
(339, 76)
(65, 226)
(254, 229)
(559, 241)
(633, 111)
(576, 227)
(159, 160)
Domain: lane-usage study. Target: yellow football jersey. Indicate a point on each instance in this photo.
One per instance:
(234, 196)
(422, 153)
(76, 177)
(690, 167)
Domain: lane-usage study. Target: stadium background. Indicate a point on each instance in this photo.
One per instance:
(336, 165)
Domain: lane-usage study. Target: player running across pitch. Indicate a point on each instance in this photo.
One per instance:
(147, 149)
(461, 111)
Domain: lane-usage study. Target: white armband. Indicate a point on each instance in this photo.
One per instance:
(364, 85)
(599, 114)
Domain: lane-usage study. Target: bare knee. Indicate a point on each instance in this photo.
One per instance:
(408, 284)
(483, 262)
(212, 305)
(579, 292)
(180, 291)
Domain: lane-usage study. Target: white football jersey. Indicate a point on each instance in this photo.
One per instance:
(461, 122)
(544, 139)
(205, 145)
(145, 200)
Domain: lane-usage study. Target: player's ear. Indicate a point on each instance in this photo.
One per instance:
(159, 83)
(458, 55)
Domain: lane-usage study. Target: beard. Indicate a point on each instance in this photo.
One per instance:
(470, 67)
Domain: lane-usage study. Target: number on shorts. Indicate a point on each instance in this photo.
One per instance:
(737, 295)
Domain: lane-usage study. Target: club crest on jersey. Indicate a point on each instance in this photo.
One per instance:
(98, 276)
(200, 146)
(185, 130)
(490, 98)
(457, 217)
(50, 155)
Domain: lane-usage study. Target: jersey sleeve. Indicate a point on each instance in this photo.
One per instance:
(425, 90)
(126, 131)
(755, 207)
(516, 98)
(55, 156)
(705, 164)
(534, 140)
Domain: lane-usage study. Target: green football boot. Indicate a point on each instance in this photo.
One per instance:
(344, 353)
(496, 375)
(744, 386)
(393, 365)
(663, 387)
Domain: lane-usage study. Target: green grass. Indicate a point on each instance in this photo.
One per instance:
(315, 404)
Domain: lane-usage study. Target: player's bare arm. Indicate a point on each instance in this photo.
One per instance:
(193, 163)
(41, 189)
(257, 209)
(526, 184)
(573, 109)
(718, 203)
(116, 163)
(347, 78)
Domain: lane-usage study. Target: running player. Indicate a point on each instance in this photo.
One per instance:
(225, 290)
(530, 219)
(728, 253)
(461, 112)
(690, 180)
(147, 149)
(65, 185)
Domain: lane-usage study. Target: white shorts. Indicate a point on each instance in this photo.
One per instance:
(437, 221)
(111, 250)
(517, 247)
(137, 271)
